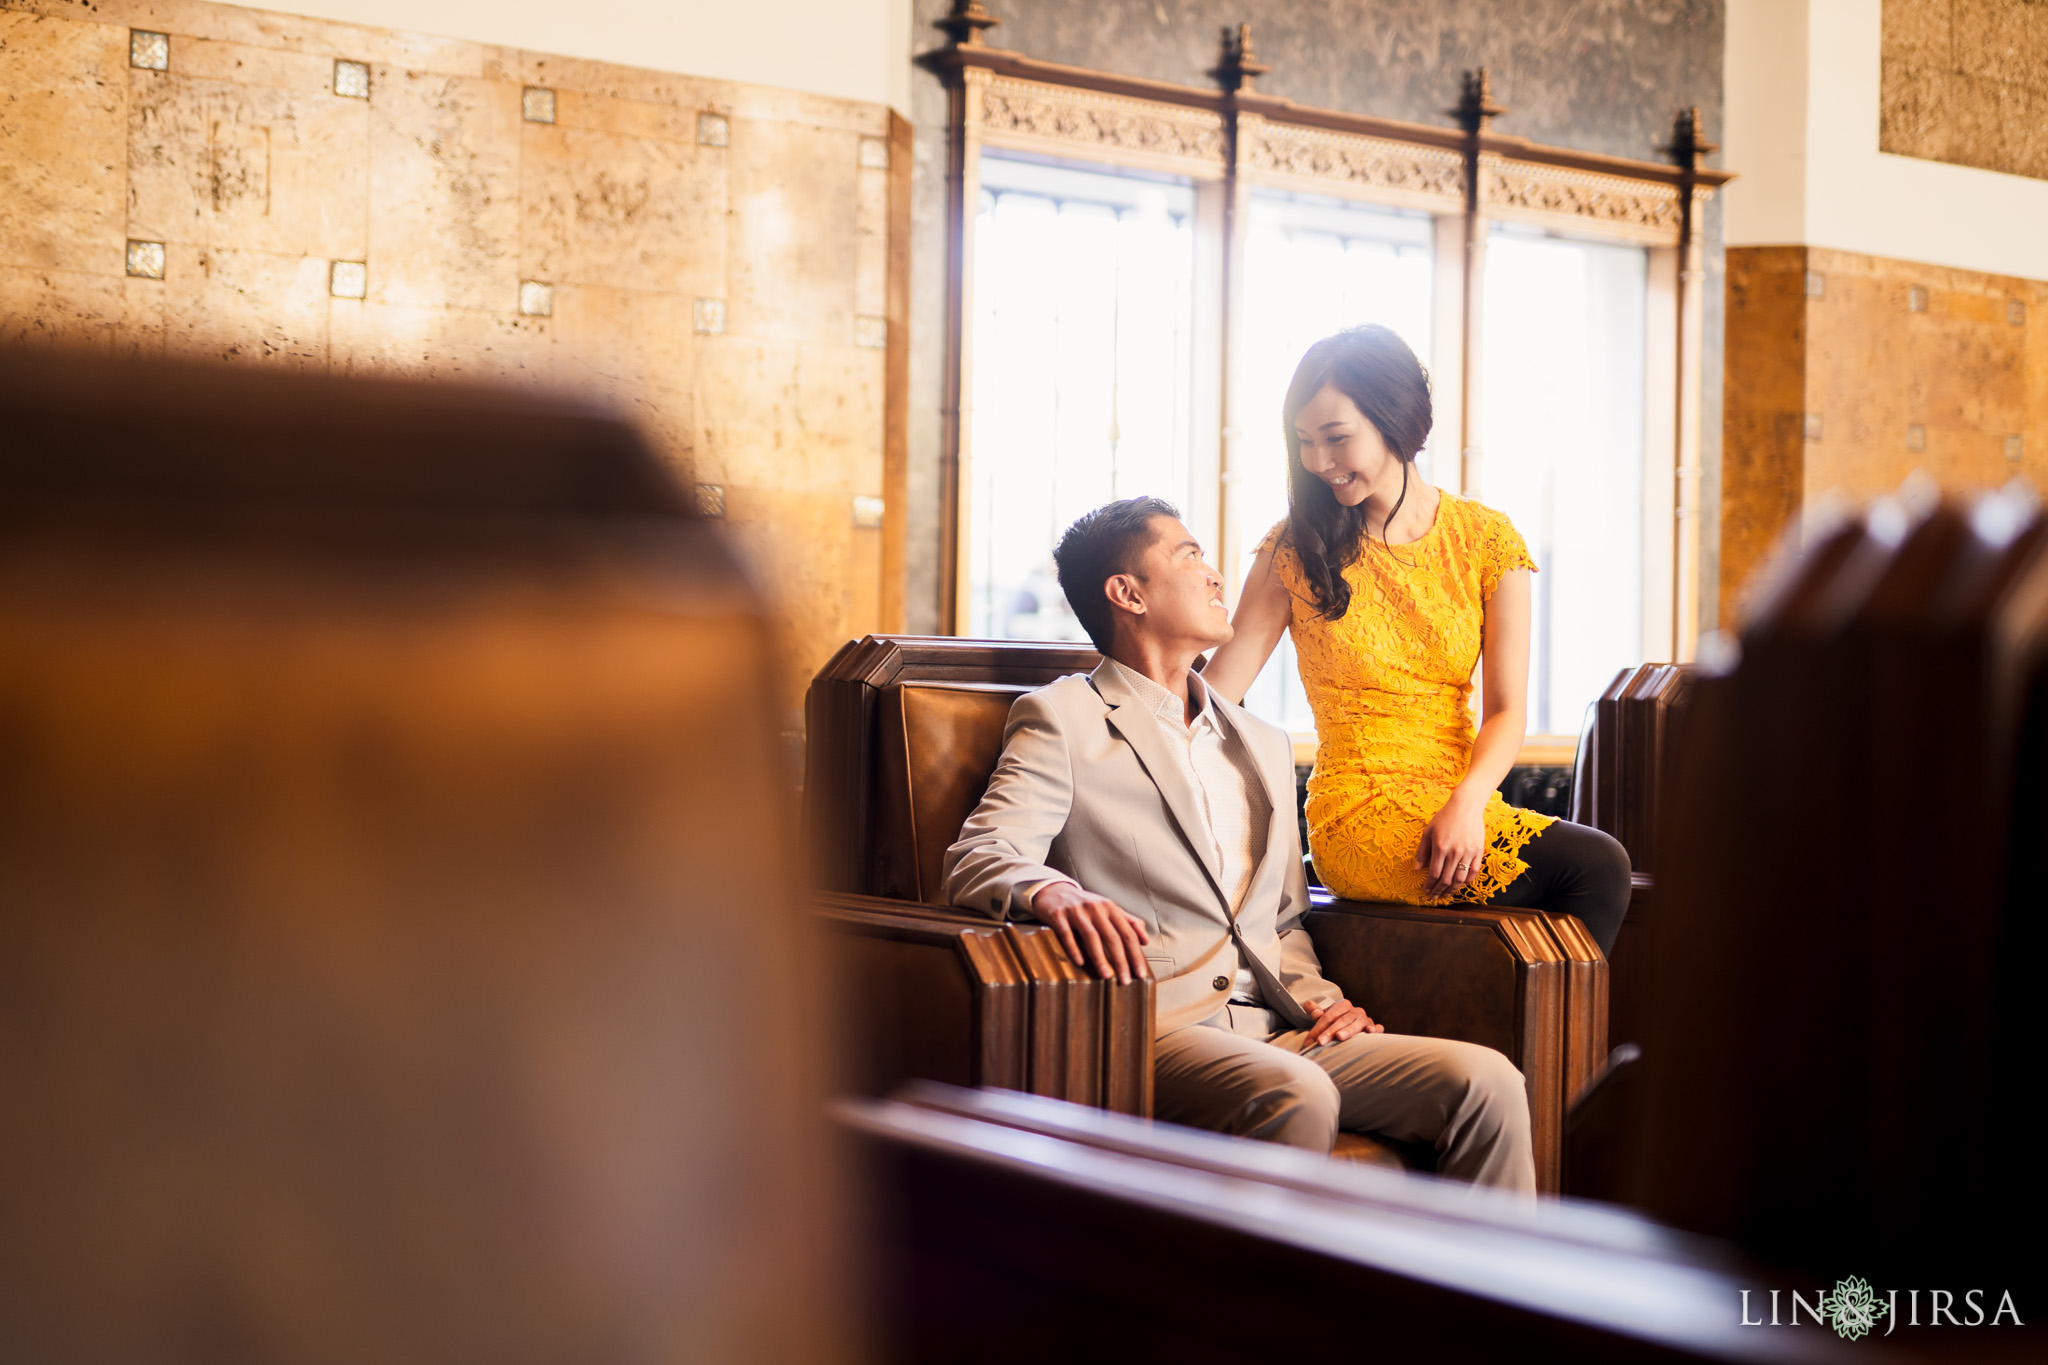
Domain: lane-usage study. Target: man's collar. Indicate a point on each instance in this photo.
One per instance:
(1155, 698)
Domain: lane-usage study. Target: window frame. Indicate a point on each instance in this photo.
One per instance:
(1230, 141)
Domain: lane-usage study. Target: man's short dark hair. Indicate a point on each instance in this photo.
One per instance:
(1099, 545)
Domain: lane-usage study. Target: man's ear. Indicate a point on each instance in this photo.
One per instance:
(1122, 591)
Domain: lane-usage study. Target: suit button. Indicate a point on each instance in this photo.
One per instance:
(1221, 983)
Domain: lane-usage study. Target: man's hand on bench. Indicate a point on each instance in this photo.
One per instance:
(1094, 930)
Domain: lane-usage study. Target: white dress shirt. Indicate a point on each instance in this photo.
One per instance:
(1218, 767)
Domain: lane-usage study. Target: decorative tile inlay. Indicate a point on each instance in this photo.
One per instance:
(150, 51)
(874, 153)
(1813, 426)
(867, 513)
(348, 279)
(711, 499)
(146, 260)
(536, 300)
(1916, 299)
(1816, 284)
(351, 79)
(2014, 447)
(2016, 312)
(1916, 437)
(537, 104)
(871, 333)
(709, 315)
(713, 130)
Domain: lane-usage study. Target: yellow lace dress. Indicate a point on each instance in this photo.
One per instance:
(1390, 684)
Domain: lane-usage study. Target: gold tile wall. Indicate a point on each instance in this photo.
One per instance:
(1846, 373)
(1966, 81)
(651, 202)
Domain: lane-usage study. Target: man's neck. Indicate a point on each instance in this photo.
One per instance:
(1164, 663)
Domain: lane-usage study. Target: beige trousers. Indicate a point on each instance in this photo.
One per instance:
(1239, 1073)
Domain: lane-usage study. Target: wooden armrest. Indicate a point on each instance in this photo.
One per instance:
(938, 993)
(931, 996)
(1531, 985)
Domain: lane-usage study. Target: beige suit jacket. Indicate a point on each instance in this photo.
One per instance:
(1087, 788)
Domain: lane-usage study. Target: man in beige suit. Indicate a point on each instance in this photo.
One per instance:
(1151, 824)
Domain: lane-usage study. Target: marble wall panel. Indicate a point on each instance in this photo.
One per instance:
(1957, 368)
(257, 165)
(612, 343)
(189, 19)
(1840, 386)
(791, 537)
(687, 92)
(1966, 82)
(871, 242)
(621, 211)
(63, 143)
(260, 307)
(369, 337)
(257, 176)
(1918, 33)
(1763, 454)
(791, 254)
(2003, 39)
(444, 190)
(669, 417)
(107, 314)
(776, 415)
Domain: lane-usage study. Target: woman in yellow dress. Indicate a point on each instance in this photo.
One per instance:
(1393, 590)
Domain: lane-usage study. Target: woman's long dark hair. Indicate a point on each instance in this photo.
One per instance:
(1375, 370)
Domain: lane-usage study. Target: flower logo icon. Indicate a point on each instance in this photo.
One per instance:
(1852, 1308)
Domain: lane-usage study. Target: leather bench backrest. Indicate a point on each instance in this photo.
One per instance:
(939, 744)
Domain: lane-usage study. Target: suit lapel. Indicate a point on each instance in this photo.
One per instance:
(1278, 782)
(1132, 719)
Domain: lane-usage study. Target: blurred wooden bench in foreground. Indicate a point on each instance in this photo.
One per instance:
(391, 883)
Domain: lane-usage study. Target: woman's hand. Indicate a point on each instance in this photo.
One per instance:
(1453, 845)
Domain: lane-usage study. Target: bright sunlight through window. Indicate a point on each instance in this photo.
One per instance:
(1312, 268)
(1563, 422)
(1083, 299)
